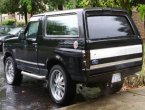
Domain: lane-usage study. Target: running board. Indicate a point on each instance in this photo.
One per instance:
(33, 75)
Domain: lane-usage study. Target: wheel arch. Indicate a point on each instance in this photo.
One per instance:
(6, 55)
(55, 61)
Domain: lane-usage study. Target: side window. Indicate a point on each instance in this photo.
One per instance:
(62, 25)
(32, 29)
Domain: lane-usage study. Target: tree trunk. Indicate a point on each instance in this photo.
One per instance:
(60, 7)
(31, 14)
(25, 14)
(144, 22)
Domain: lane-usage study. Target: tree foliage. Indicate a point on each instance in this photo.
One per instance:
(9, 6)
(23, 6)
(125, 4)
(57, 4)
(37, 6)
(141, 9)
(33, 6)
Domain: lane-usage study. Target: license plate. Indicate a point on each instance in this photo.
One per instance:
(116, 78)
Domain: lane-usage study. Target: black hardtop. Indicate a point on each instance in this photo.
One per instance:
(106, 9)
(81, 10)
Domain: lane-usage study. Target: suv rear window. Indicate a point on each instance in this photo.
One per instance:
(108, 27)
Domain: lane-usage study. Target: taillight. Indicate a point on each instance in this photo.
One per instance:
(86, 59)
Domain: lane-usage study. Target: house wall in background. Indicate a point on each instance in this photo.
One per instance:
(18, 17)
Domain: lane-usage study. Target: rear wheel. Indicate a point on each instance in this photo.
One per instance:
(13, 75)
(62, 88)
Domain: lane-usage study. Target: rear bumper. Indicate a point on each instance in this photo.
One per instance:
(105, 77)
(93, 77)
(112, 68)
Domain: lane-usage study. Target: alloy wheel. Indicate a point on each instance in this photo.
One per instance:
(9, 69)
(57, 85)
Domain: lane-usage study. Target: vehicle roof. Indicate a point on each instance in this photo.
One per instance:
(81, 10)
(60, 12)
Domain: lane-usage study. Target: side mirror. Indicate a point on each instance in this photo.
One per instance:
(22, 31)
(22, 36)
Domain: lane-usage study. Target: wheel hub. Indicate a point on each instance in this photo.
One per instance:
(57, 85)
(9, 71)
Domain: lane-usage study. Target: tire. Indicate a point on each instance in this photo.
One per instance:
(12, 74)
(116, 87)
(111, 88)
(62, 89)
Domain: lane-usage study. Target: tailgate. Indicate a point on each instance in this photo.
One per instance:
(123, 54)
(112, 40)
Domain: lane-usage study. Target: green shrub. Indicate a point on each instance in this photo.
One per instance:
(8, 22)
(20, 24)
(141, 9)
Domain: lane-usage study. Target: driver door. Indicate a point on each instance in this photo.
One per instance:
(28, 50)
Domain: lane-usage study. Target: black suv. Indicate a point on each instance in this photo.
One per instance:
(85, 46)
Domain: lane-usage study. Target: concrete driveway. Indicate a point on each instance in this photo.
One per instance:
(124, 100)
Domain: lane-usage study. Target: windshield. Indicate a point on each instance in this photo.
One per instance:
(2, 31)
(108, 27)
(5, 30)
(15, 31)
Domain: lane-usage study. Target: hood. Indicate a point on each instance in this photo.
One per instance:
(5, 36)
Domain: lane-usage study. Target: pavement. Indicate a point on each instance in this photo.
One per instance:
(124, 100)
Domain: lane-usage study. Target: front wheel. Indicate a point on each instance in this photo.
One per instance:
(62, 88)
(12, 74)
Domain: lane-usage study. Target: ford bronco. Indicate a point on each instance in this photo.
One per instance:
(81, 46)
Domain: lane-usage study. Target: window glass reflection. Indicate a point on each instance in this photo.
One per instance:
(62, 25)
(108, 26)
